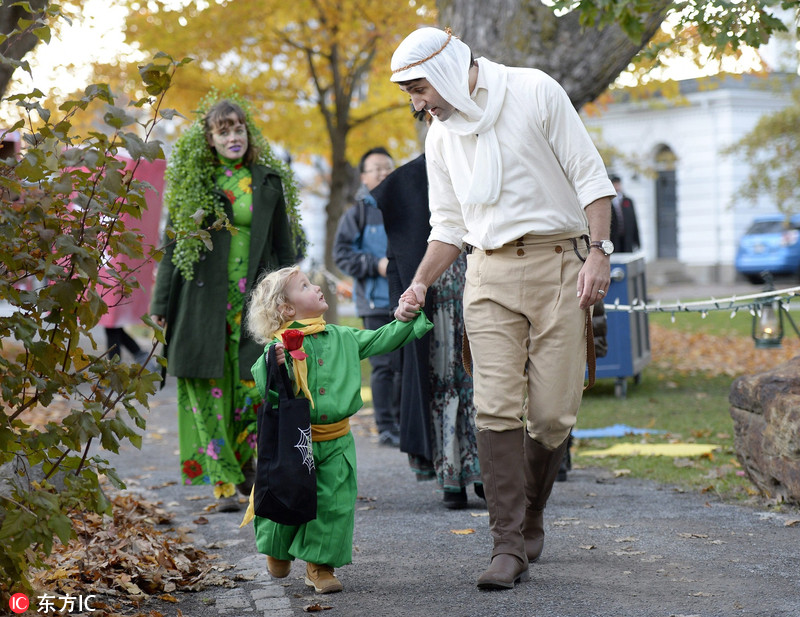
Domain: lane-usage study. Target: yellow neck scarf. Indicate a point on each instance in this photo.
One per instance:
(307, 326)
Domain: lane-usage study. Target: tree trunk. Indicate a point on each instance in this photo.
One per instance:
(17, 46)
(527, 33)
(341, 195)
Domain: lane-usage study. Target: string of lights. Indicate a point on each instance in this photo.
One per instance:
(767, 309)
(732, 303)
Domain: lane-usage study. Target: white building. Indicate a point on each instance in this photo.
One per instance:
(688, 221)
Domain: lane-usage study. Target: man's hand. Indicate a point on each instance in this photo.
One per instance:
(594, 278)
(411, 301)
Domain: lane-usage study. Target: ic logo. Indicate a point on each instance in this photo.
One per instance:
(19, 603)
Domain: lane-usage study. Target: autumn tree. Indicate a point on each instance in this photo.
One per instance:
(586, 44)
(773, 151)
(315, 71)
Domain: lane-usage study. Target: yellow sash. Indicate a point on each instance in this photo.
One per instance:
(326, 432)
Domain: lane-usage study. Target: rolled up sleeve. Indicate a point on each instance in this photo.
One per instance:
(447, 220)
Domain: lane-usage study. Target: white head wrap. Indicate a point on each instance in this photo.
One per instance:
(443, 60)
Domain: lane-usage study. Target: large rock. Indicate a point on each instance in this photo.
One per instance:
(766, 416)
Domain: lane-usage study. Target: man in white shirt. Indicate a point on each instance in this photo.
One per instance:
(513, 177)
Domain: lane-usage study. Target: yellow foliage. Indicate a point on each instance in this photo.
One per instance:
(314, 70)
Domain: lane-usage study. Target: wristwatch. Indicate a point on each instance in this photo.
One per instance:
(607, 246)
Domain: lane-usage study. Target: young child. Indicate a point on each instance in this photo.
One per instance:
(330, 376)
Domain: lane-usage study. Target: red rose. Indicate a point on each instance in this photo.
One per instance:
(192, 469)
(293, 341)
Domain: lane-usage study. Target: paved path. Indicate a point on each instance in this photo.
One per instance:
(615, 547)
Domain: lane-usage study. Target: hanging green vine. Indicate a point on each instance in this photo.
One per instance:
(190, 197)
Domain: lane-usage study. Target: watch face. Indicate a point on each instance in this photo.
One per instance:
(608, 247)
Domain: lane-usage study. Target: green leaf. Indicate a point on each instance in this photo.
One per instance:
(155, 77)
(117, 117)
(62, 527)
(138, 148)
(98, 91)
(169, 114)
(42, 33)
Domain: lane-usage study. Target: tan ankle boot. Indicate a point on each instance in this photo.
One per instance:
(278, 568)
(321, 578)
(541, 468)
(504, 487)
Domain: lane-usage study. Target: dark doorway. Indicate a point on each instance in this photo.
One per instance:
(666, 205)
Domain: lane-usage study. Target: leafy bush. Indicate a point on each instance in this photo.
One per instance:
(65, 204)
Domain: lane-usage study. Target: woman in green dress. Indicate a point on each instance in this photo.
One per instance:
(223, 169)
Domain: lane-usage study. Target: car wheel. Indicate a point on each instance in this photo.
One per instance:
(755, 279)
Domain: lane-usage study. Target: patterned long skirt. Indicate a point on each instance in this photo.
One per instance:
(217, 417)
(454, 448)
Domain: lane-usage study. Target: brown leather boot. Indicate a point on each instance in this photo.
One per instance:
(504, 487)
(321, 578)
(541, 468)
(278, 568)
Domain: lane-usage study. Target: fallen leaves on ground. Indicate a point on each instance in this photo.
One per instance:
(690, 352)
(125, 559)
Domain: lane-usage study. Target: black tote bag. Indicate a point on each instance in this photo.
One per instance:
(286, 481)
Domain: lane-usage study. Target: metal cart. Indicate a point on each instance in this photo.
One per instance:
(628, 333)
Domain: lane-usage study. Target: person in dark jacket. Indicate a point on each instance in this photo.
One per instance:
(437, 427)
(359, 249)
(624, 228)
(200, 298)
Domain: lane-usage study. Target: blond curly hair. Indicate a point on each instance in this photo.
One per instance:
(264, 316)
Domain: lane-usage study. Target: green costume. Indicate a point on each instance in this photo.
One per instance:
(334, 378)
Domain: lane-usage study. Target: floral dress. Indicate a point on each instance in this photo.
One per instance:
(454, 446)
(217, 417)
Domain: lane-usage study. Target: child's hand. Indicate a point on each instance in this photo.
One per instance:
(410, 302)
(280, 356)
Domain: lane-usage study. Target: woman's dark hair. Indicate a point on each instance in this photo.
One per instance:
(219, 117)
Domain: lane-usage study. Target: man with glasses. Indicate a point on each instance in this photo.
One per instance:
(359, 249)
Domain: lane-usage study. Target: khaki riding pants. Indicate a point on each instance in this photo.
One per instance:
(527, 335)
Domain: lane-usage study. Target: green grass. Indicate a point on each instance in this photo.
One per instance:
(717, 323)
(691, 409)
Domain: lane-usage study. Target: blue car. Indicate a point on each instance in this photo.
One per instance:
(770, 244)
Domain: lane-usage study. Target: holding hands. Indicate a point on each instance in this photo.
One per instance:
(412, 300)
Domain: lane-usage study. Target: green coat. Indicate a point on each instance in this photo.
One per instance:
(195, 310)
